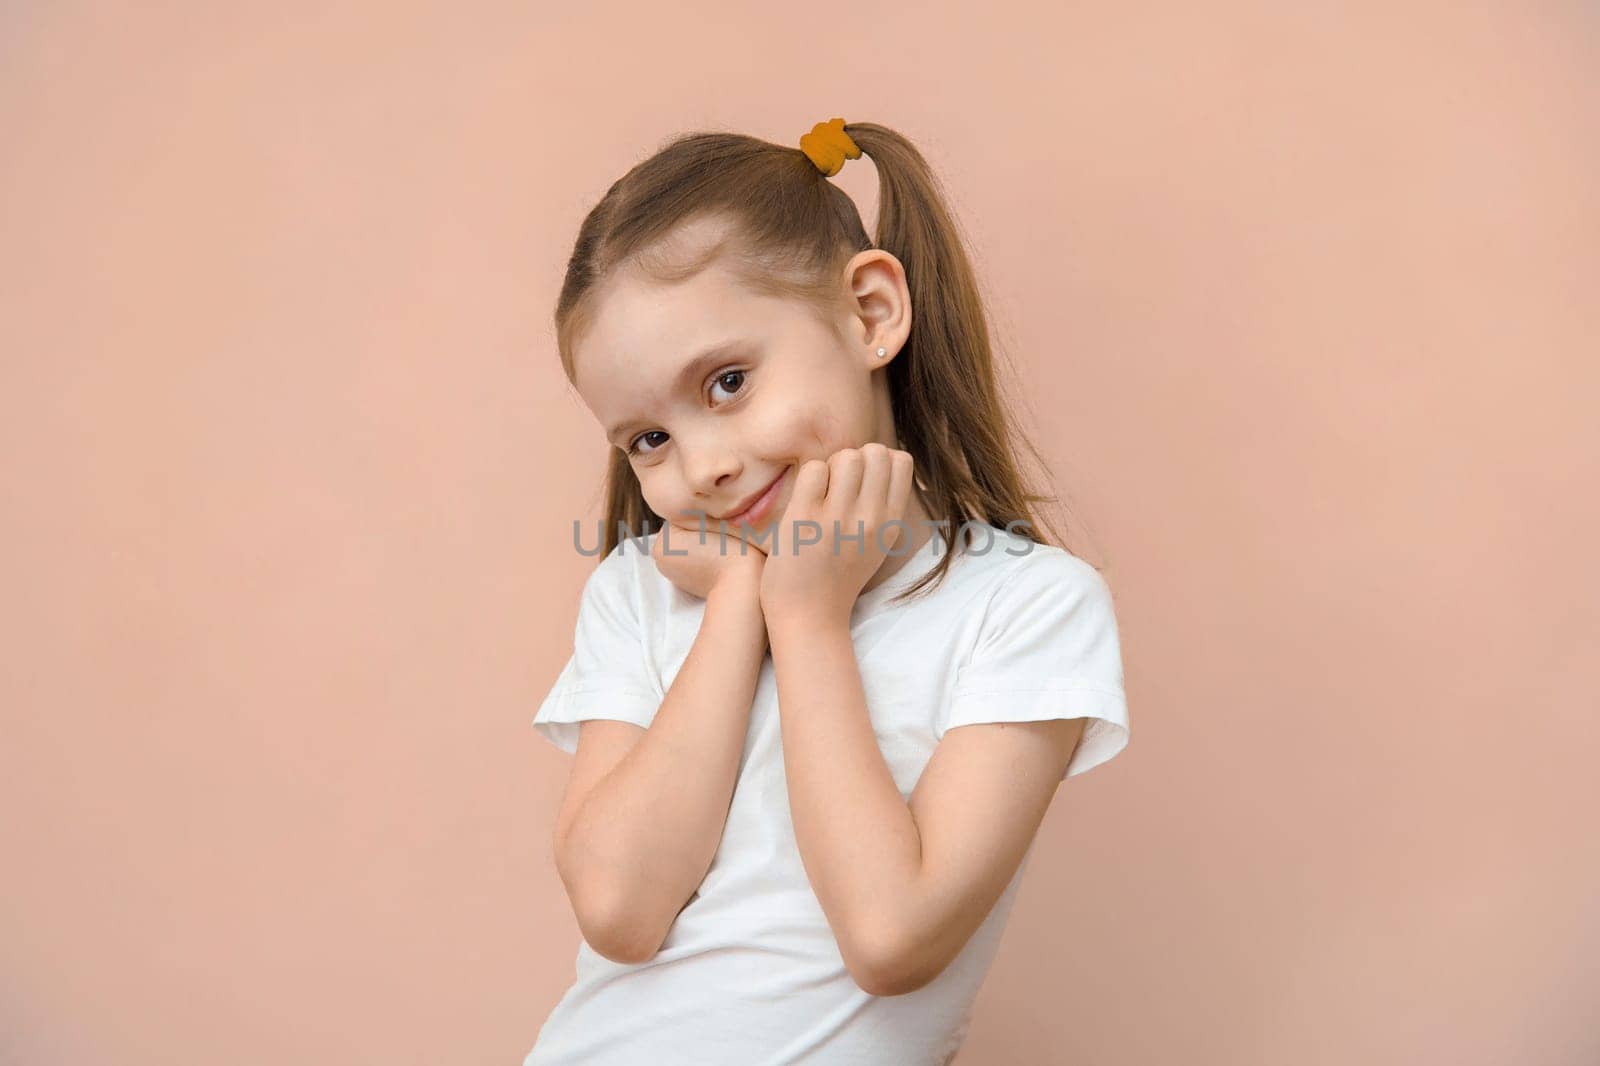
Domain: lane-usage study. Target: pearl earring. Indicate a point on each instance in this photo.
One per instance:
(882, 352)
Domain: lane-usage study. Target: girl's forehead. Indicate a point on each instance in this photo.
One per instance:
(635, 300)
(639, 323)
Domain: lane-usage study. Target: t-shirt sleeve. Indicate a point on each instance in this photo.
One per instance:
(608, 674)
(1048, 648)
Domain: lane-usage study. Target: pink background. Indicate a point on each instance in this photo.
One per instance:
(1302, 299)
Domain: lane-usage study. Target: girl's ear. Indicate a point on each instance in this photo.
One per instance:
(880, 303)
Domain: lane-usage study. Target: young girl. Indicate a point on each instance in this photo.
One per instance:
(813, 745)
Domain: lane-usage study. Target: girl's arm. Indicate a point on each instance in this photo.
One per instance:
(903, 887)
(633, 841)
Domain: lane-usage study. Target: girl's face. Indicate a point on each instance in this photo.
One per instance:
(717, 393)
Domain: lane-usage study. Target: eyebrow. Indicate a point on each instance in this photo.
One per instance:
(690, 374)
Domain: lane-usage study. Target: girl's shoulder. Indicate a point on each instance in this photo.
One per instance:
(620, 576)
(621, 563)
(1023, 590)
(1000, 558)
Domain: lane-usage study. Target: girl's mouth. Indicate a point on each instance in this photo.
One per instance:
(758, 511)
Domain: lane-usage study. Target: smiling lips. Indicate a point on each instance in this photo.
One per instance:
(756, 509)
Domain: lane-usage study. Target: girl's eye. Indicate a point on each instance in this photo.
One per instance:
(720, 379)
(738, 374)
(633, 449)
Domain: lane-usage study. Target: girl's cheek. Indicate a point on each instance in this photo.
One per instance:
(832, 435)
(780, 431)
(812, 432)
(646, 489)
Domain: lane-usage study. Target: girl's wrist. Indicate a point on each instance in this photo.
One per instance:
(739, 584)
(803, 618)
(739, 598)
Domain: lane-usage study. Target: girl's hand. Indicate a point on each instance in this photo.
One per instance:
(855, 492)
(696, 562)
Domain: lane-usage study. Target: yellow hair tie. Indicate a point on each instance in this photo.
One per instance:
(828, 146)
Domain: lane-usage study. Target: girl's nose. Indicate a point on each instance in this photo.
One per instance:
(708, 469)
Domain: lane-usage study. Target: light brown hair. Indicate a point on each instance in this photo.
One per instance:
(791, 230)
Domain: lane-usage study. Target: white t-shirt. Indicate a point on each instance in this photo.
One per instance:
(750, 973)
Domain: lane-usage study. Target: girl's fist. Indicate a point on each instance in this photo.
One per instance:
(843, 517)
(696, 561)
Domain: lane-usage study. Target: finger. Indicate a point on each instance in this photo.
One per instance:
(896, 481)
(902, 471)
(658, 543)
(738, 539)
(679, 536)
(875, 473)
(810, 484)
(844, 478)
